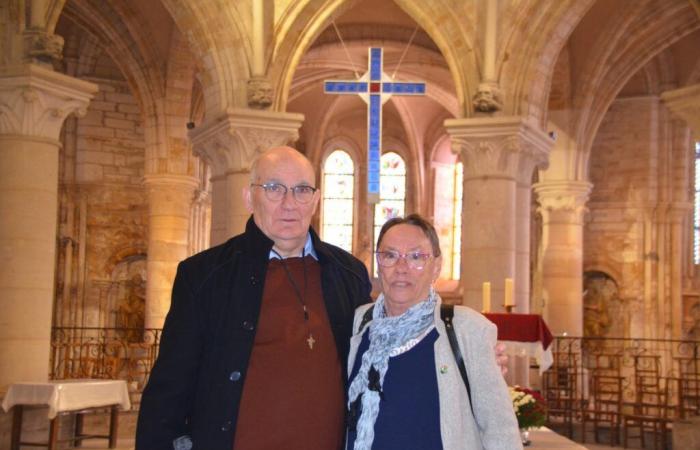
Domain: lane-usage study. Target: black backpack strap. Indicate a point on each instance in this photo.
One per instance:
(366, 317)
(447, 312)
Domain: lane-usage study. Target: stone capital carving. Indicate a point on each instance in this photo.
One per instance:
(259, 93)
(231, 142)
(565, 198)
(685, 104)
(43, 47)
(499, 147)
(34, 101)
(487, 98)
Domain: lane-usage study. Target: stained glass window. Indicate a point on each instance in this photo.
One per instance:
(696, 216)
(338, 191)
(392, 191)
(457, 222)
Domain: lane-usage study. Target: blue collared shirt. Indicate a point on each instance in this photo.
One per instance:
(308, 250)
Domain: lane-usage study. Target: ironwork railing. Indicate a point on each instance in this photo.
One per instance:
(129, 354)
(629, 358)
(114, 353)
(619, 386)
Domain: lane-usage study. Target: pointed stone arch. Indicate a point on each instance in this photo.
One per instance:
(447, 27)
(527, 56)
(218, 39)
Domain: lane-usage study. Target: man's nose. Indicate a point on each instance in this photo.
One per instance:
(288, 200)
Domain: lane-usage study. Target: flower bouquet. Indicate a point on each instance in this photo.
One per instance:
(529, 409)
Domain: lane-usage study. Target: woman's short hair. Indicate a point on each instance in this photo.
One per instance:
(415, 220)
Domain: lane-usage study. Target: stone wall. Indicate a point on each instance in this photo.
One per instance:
(629, 229)
(104, 210)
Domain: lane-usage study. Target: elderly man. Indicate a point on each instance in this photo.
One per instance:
(254, 348)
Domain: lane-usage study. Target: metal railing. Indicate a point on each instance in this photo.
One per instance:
(628, 388)
(129, 354)
(112, 353)
(628, 358)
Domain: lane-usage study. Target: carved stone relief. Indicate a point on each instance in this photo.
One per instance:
(693, 320)
(127, 303)
(601, 304)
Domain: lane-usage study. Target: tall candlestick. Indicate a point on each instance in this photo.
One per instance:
(509, 293)
(486, 296)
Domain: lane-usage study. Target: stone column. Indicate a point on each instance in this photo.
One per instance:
(498, 153)
(169, 204)
(684, 103)
(677, 215)
(229, 144)
(562, 205)
(523, 220)
(34, 102)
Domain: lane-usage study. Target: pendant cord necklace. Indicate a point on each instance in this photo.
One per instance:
(310, 340)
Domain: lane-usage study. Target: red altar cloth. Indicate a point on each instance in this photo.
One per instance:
(521, 328)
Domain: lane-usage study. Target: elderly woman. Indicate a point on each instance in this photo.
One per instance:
(406, 391)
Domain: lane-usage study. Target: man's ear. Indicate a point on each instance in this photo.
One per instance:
(247, 195)
(317, 197)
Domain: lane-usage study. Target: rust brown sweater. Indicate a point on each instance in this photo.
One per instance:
(293, 396)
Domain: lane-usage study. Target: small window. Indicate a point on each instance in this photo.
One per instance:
(392, 192)
(338, 189)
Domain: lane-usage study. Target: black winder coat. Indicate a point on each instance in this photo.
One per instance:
(196, 384)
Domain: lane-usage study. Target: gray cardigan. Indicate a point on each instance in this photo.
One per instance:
(495, 426)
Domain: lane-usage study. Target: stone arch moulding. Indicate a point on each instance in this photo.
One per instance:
(222, 51)
(122, 255)
(437, 147)
(604, 268)
(533, 47)
(341, 142)
(448, 35)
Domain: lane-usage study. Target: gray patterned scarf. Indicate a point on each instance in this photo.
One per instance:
(385, 334)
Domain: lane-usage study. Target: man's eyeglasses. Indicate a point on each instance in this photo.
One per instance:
(276, 191)
(415, 260)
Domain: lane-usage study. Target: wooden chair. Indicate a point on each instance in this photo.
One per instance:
(604, 409)
(561, 398)
(606, 364)
(652, 412)
(688, 387)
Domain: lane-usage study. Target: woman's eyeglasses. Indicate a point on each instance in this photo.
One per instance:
(414, 260)
(276, 191)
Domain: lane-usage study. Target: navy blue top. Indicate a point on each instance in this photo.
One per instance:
(409, 414)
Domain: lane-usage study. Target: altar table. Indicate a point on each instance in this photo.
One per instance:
(524, 335)
(66, 396)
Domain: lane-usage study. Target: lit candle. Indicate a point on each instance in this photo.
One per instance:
(486, 296)
(509, 293)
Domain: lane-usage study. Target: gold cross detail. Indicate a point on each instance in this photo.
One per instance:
(311, 341)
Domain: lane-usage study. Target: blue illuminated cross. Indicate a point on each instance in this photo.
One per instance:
(375, 88)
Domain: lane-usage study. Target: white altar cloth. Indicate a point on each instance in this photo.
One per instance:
(68, 395)
(543, 357)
